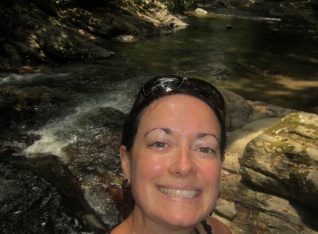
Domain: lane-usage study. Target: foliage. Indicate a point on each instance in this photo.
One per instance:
(178, 6)
(62, 1)
(175, 6)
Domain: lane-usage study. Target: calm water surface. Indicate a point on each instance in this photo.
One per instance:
(261, 59)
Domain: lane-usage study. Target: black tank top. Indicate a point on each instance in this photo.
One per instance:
(206, 227)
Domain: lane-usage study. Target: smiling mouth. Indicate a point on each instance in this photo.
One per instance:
(179, 193)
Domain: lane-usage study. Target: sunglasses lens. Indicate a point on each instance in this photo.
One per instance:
(160, 85)
(209, 91)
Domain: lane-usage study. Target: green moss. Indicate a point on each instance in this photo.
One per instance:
(299, 173)
(288, 128)
(284, 146)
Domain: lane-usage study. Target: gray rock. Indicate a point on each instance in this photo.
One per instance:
(225, 209)
(259, 212)
(239, 112)
(231, 163)
(284, 159)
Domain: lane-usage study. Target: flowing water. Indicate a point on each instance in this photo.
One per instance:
(259, 58)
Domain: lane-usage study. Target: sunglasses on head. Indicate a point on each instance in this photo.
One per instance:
(164, 84)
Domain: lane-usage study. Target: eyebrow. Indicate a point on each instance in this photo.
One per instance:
(169, 131)
(202, 134)
(166, 130)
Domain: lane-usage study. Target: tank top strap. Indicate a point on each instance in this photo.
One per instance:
(206, 227)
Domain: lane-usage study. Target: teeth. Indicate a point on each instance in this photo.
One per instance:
(179, 193)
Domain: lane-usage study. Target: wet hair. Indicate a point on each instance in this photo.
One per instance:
(131, 126)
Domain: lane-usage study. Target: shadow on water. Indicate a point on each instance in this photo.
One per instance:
(261, 59)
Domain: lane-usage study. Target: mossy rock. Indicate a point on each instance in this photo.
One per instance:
(284, 159)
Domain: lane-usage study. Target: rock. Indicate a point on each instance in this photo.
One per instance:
(284, 159)
(225, 209)
(238, 111)
(229, 27)
(42, 196)
(231, 163)
(237, 140)
(12, 53)
(259, 212)
(266, 110)
(200, 11)
(126, 38)
(59, 44)
(41, 31)
(19, 36)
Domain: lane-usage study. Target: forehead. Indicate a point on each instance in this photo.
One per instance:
(180, 111)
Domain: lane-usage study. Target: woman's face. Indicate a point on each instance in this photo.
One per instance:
(175, 163)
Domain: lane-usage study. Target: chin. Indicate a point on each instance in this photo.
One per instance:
(184, 219)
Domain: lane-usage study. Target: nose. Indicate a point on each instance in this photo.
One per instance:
(182, 163)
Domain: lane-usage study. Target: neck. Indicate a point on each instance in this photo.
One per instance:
(140, 224)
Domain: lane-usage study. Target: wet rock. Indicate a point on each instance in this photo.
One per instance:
(42, 196)
(126, 38)
(94, 159)
(284, 159)
(200, 11)
(229, 27)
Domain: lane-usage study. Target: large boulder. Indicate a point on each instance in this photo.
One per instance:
(238, 111)
(284, 159)
(248, 209)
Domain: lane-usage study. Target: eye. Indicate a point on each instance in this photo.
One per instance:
(206, 150)
(159, 144)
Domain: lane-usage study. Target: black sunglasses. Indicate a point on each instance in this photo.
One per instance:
(161, 85)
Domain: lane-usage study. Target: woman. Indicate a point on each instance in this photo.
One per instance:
(172, 153)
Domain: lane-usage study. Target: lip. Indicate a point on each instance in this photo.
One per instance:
(191, 190)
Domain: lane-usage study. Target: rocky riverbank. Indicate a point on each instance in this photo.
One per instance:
(53, 32)
(44, 32)
(269, 177)
(297, 10)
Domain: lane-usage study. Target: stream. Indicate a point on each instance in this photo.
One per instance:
(76, 133)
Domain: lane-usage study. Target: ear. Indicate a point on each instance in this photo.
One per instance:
(125, 162)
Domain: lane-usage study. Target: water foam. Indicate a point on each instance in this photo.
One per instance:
(64, 131)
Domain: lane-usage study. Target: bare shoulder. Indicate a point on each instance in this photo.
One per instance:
(217, 226)
(119, 229)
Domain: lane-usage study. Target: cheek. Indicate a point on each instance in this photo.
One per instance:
(211, 171)
(148, 168)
